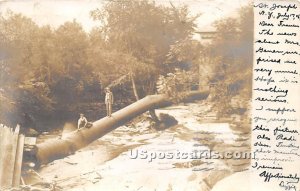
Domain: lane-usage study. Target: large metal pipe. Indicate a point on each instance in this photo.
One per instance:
(60, 148)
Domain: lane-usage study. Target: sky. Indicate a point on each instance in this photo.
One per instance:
(56, 12)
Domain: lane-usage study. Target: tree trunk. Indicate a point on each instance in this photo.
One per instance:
(154, 116)
(48, 74)
(59, 148)
(136, 95)
(199, 74)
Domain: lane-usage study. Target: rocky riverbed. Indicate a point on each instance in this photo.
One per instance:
(138, 157)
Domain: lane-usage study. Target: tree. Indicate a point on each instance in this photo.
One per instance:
(71, 44)
(71, 52)
(57, 70)
(233, 48)
(17, 33)
(45, 58)
(144, 31)
(20, 80)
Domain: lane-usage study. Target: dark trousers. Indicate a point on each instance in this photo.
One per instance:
(108, 109)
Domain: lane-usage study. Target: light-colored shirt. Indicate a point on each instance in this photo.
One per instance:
(82, 121)
(109, 97)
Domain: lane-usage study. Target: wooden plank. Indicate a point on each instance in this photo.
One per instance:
(3, 160)
(1, 140)
(11, 158)
(17, 129)
(18, 162)
(2, 134)
(8, 158)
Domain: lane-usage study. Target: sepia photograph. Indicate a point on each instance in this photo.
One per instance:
(137, 95)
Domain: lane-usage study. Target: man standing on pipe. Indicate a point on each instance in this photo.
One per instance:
(109, 99)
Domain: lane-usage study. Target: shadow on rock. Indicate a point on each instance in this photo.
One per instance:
(165, 121)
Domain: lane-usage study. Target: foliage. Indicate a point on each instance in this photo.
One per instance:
(143, 28)
(233, 47)
(16, 34)
(47, 73)
(176, 84)
(143, 33)
(184, 53)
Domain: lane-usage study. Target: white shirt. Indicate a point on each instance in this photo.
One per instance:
(82, 122)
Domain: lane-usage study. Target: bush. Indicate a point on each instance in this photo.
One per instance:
(176, 84)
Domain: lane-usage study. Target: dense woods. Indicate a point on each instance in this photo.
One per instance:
(50, 75)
